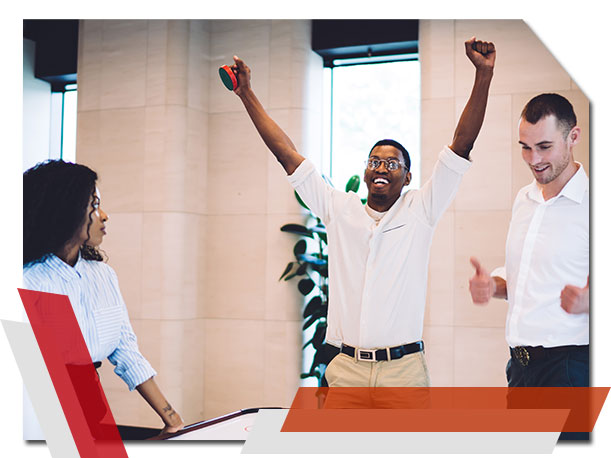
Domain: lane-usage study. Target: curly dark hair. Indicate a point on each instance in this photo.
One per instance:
(55, 202)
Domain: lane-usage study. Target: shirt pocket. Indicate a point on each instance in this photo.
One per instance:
(108, 322)
(394, 227)
(397, 230)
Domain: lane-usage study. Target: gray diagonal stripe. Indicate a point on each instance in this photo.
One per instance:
(266, 437)
(40, 389)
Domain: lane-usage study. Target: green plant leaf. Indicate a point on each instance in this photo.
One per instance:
(323, 270)
(312, 260)
(302, 269)
(300, 248)
(319, 336)
(289, 267)
(321, 231)
(305, 286)
(301, 201)
(314, 305)
(364, 201)
(319, 359)
(297, 229)
(353, 183)
(318, 339)
(310, 321)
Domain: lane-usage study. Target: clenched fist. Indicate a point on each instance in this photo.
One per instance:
(481, 53)
(242, 73)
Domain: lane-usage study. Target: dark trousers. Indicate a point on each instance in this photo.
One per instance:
(553, 367)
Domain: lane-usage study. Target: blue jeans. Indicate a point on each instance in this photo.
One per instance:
(569, 368)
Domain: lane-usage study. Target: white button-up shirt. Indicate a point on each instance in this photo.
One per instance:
(93, 290)
(548, 248)
(378, 273)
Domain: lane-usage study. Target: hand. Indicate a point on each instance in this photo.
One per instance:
(242, 73)
(155, 398)
(574, 299)
(481, 284)
(176, 425)
(481, 53)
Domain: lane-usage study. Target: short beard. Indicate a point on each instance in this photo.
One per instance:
(556, 171)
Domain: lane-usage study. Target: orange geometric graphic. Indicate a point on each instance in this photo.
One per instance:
(445, 409)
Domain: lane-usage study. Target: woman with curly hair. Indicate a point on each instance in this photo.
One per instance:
(63, 226)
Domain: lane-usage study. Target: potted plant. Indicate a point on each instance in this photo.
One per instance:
(311, 267)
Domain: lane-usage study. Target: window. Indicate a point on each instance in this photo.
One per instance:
(366, 102)
(62, 143)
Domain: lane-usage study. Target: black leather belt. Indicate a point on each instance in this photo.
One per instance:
(525, 355)
(383, 354)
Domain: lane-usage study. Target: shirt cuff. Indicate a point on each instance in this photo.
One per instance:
(499, 272)
(302, 172)
(137, 375)
(453, 161)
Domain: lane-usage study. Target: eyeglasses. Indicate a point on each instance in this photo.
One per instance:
(391, 164)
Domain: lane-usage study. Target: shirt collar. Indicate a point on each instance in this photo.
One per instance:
(575, 189)
(65, 271)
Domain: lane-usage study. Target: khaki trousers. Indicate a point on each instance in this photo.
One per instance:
(364, 384)
(410, 370)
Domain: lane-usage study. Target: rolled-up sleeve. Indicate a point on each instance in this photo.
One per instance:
(131, 366)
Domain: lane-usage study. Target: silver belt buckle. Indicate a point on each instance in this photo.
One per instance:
(365, 355)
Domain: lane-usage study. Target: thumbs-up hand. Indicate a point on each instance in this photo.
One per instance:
(481, 284)
(574, 299)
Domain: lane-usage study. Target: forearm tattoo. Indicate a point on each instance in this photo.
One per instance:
(168, 408)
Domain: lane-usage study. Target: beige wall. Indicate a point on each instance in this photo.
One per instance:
(196, 203)
(465, 343)
(196, 200)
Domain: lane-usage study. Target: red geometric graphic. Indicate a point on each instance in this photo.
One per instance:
(74, 377)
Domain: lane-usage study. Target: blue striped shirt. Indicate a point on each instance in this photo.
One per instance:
(93, 289)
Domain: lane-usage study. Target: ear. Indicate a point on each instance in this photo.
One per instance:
(408, 178)
(574, 136)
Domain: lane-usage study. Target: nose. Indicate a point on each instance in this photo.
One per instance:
(531, 157)
(382, 163)
(103, 215)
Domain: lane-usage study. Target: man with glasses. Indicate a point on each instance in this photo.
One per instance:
(379, 252)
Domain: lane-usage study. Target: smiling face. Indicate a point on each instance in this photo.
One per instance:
(547, 149)
(385, 186)
(93, 234)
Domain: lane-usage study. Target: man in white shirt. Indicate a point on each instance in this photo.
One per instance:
(378, 253)
(546, 273)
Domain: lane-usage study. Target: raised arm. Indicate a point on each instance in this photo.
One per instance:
(274, 137)
(482, 54)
